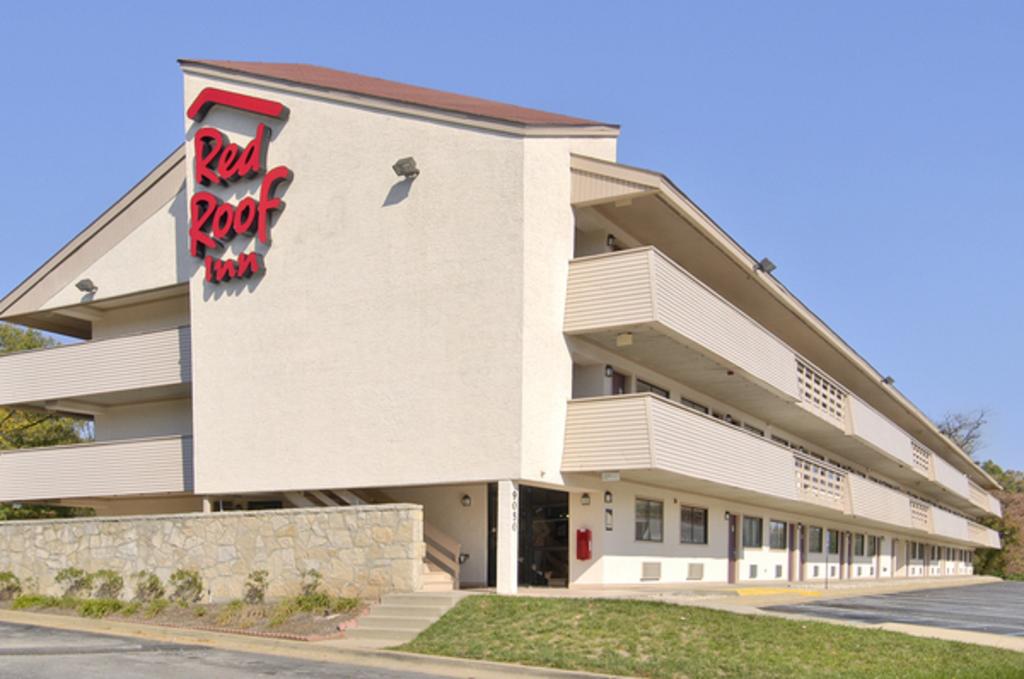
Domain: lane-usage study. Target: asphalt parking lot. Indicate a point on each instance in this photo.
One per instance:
(996, 608)
(30, 652)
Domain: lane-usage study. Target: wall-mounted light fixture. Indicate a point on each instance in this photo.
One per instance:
(466, 501)
(610, 241)
(607, 497)
(888, 379)
(728, 515)
(765, 265)
(406, 167)
(585, 499)
(624, 339)
(86, 285)
(609, 371)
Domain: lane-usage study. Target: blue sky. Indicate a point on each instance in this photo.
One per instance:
(875, 151)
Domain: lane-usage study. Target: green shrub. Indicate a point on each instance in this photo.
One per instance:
(317, 602)
(188, 586)
(38, 601)
(156, 607)
(10, 585)
(311, 581)
(109, 584)
(75, 582)
(148, 587)
(130, 608)
(256, 587)
(98, 608)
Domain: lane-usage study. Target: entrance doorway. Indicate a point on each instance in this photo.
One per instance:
(543, 537)
(734, 548)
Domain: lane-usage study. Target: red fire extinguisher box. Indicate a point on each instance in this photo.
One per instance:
(583, 544)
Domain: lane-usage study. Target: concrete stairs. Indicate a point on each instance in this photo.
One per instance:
(436, 580)
(399, 618)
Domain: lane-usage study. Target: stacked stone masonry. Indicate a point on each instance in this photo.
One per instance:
(360, 551)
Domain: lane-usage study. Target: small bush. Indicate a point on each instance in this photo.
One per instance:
(75, 582)
(256, 587)
(131, 608)
(10, 585)
(156, 607)
(148, 587)
(109, 584)
(38, 601)
(188, 586)
(317, 602)
(311, 581)
(98, 608)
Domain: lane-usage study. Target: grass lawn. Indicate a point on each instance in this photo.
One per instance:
(649, 639)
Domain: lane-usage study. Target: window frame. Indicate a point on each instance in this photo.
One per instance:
(760, 536)
(810, 540)
(651, 388)
(858, 544)
(773, 524)
(649, 502)
(833, 545)
(684, 524)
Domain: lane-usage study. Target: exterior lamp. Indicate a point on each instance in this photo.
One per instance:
(86, 285)
(607, 497)
(624, 339)
(609, 371)
(406, 167)
(585, 499)
(765, 265)
(611, 241)
(888, 379)
(466, 501)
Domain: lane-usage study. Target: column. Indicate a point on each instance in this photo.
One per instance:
(508, 537)
(207, 504)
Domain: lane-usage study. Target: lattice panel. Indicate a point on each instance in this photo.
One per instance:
(819, 482)
(920, 514)
(819, 392)
(922, 457)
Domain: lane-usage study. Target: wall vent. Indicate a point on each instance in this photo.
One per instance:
(695, 571)
(651, 570)
(753, 572)
(815, 572)
(778, 571)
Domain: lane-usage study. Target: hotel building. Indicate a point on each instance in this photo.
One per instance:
(343, 290)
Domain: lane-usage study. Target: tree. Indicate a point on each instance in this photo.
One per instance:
(32, 429)
(965, 429)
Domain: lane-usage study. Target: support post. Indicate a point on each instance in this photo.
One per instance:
(207, 504)
(508, 537)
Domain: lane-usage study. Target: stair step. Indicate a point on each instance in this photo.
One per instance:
(396, 635)
(443, 599)
(437, 587)
(401, 610)
(373, 621)
(436, 577)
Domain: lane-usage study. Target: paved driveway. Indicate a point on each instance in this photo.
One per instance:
(29, 652)
(996, 608)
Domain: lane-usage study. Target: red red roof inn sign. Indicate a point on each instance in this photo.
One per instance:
(218, 162)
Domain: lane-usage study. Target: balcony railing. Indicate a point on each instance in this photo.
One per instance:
(645, 293)
(131, 467)
(645, 436)
(121, 364)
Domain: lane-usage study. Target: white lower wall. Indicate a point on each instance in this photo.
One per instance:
(619, 557)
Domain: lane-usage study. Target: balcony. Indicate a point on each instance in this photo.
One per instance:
(132, 467)
(650, 439)
(640, 304)
(75, 377)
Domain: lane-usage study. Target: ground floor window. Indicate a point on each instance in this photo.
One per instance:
(777, 534)
(649, 520)
(753, 531)
(872, 545)
(833, 541)
(693, 525)
(814, 538)
(858, 545)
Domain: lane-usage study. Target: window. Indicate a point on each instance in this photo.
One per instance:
(814, 537)
(858, 545)
(872, 545)
(644, 387)
(693, 404)
(693, 525)
(777, 534)
(833, 541)
(753, 430)
(649, 520)
(753, 531)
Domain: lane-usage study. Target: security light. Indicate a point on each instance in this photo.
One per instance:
(609, 371)
(466, 501)
(888, 379)
(610, 241)
(406, 167)
(607, 497)
(585, 499)
(86, 285)
(765, 265)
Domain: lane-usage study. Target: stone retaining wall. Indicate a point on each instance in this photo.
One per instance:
(361, 551)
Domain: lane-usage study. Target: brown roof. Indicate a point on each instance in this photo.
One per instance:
(342, 81)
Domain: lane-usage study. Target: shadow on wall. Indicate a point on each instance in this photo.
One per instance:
(399, 192)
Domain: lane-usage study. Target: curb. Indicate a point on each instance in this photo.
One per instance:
(304, 650)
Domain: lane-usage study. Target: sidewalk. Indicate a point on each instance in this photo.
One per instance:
(324, 651)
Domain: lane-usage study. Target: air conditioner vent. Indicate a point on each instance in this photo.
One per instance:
(651, 570)
(695, 571)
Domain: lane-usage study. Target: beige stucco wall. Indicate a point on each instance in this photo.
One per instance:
(361, 551)
(389, 327)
